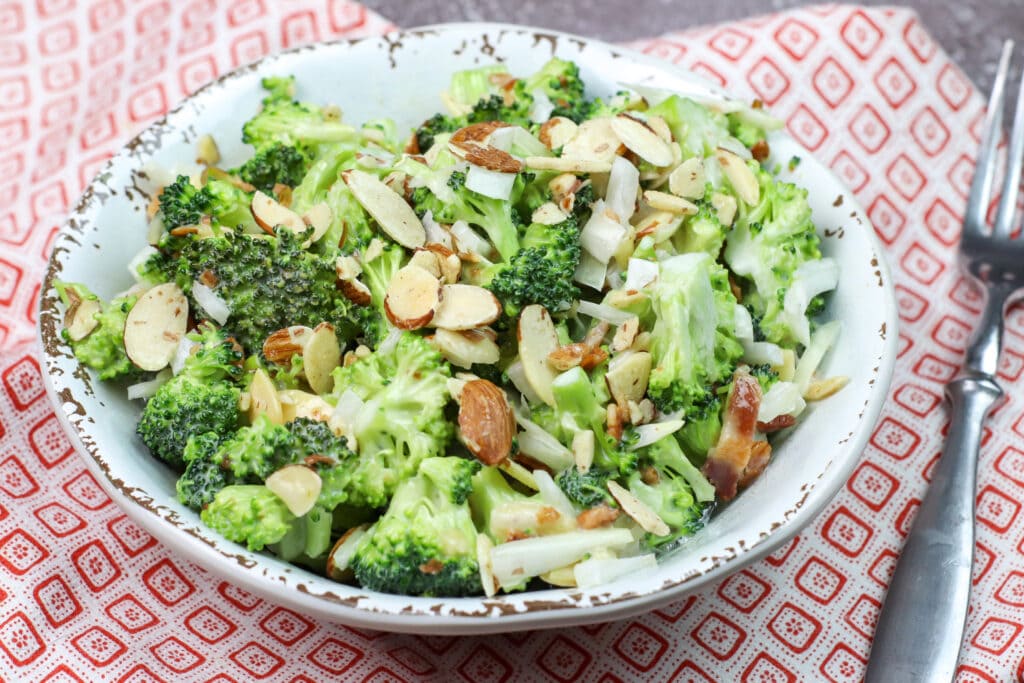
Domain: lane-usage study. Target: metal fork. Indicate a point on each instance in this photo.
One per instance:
(922, 621)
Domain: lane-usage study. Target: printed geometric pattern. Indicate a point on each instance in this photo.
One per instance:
(86, 595)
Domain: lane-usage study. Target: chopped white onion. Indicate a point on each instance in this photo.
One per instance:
(468, 241)
(604, 312)
(783, 398)
(713, 172)
(347, 410)
(552, 495)
(390, 341)
(821, 341)
(435, 233)
(640, 273)
(743, 324)
(540, 110)
(599, 571)
(493, 184)
(602, 235)
(623, 186)
(612, 276)
(760, 352)
(518, 142)
(149, 387)
(810, 279)
(182, 353)
(210, 302)
(652, 432)
(540, 445)
(519, 560)
(517, 376)
(590, 272)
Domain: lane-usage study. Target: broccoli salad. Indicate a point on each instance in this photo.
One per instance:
(532, 344)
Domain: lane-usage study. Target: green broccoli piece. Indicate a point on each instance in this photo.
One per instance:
(404, 391)
(279, 89)
(425, 543)
(436, 125)
(283, 121)
(202, 397)
(284, 164)
(692, 342)
(347, 478)
(181, 203)
(743, 130)
(258, 450)
(204, 474)
(560, 81)
(377, 273)
(103, 348)
(250, 514)
(698, 130)
(587, 489)
(701, 231)
(703, 425)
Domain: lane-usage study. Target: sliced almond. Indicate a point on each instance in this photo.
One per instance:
(296, 403)
(343, 551)
(740, 176)
(557, 131)
(595, 140)
(484, 546)
(448, 262)
(615, 419)
(283, 194)
(413, 295)
(427, 260)
(663, 201)
(642, 342)
(625, 335)
(571, 355)
(466, 307)
(548, 213)
(660, 225)
(687, 180)
(596, 517)
(563, 577)
(319, 218)
(320, 357)
(725, 207)
(640, 139)
(155, 326)
(473, 135)
(263, 398)
(823, 388)
(80, 318)
(206, 151)
(355, 291)
(486, 423)
(537, 339)
(627, 377)
(388, 208)
(563, 185)
(493, 159)
(660, 127)
(583, 450)
(466, 348)
(298, 486)
(569, 165)
(648, 520)
(280, 346)
(269, 214)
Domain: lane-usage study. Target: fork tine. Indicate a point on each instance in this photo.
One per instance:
(1011, 183)
(985, 167)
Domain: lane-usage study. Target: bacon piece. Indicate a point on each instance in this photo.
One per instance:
(729, 458)
(760, 453)
(595, 517)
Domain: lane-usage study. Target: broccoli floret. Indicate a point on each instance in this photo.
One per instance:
(250, 514)
(204, 474)
(377, 273)
(496, 217)
(287, 122)
(698, 130)
(404, 391)
(560, 81)
(279, 89)
(587, 489)
(703, 425)
(679, 493)
(322, 177)
(437, 124)
(258, 450)
(181, 203)
(268, 284)
(103, 348)
(425, 543)
(743, 130)
(347, 478)
(765, 375)
(692, 342)
(202, 397)
(701, 231)
(284, 164)
(350, 228)
(766, 247)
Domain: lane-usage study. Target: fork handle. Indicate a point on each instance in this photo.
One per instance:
(922, 620)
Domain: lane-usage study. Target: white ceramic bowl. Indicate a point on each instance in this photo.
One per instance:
(401, 76)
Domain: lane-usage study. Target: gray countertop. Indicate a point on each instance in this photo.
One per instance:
(970, 31)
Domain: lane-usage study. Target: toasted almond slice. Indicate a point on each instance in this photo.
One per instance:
(80, 318)
(740, 176)
(660, 127)
(557, 131)
(319, 218)
(319, 358)
(493, 159)
(298, 486)
(296, 403)
(263, 398)
(269, 214)
(388, 208)
(280, 346)
(823, 388)
(642, 342)
(687, 180)
(583, 450)
(664, 201)
(660, 225)
(614, 420)
(486, 423)
(413, 295)
(537, 339)
(355, 291)
(548, 213)
(474, 135)
(596, 517)
(466, 307)
(640, 139)
(725, 206)
(484, 546)
(343, 551)
(626, 334)
(465, 348)
(374, 249)
(563, 185)
(627, 377)
(566, 357)
(447, 260)
(563, 577)
(648, 520)
(595, 140)
(155, 326)
(568, 165)
(207, 153)
(427, 260)
(283, 194)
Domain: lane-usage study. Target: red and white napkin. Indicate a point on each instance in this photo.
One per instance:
(85, 595)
